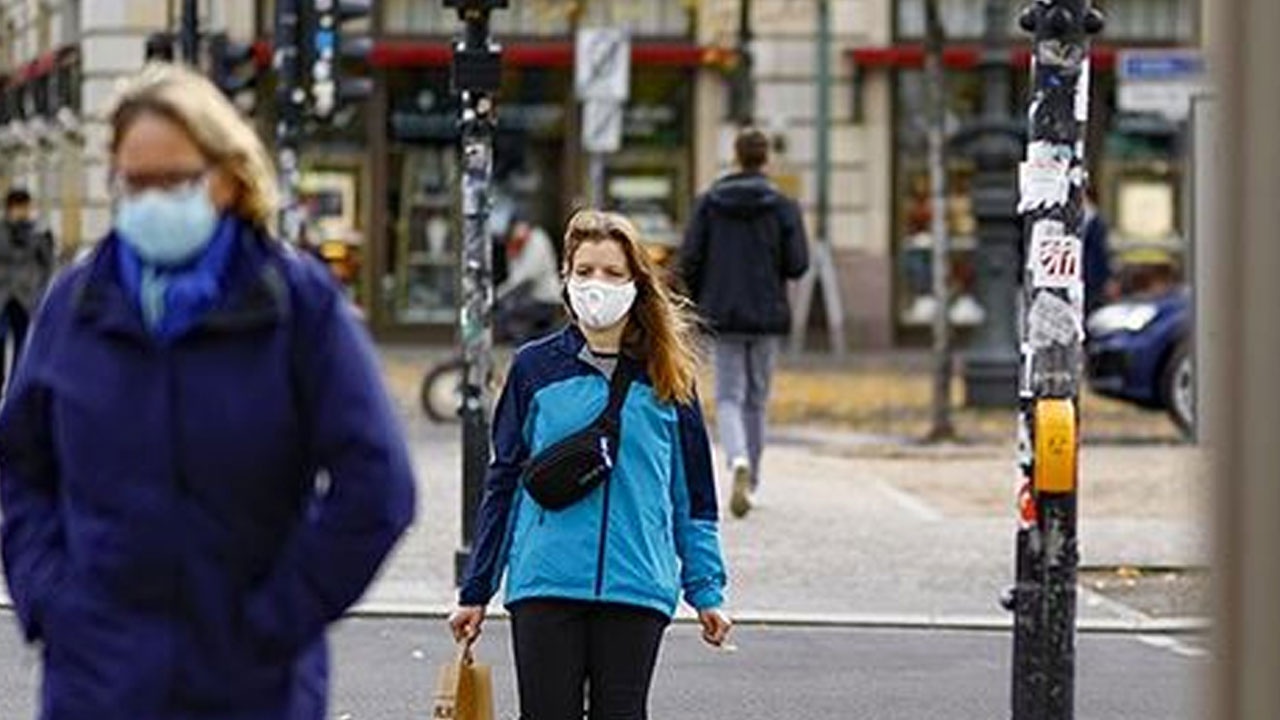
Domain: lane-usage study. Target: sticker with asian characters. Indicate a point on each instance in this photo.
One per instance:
(1055, 256)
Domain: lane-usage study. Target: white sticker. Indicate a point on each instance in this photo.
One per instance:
(1025, 455)
(1026, 378)
(1044, 177)
(1052, 321)
(1082, 93)
(1055, 256)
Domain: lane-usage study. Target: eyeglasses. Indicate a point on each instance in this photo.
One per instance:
(134, 184)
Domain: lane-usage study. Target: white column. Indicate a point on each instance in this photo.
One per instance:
(112, 40)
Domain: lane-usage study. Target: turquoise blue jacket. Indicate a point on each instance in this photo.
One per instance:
(642, 537)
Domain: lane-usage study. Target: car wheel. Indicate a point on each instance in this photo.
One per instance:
(1178, 389)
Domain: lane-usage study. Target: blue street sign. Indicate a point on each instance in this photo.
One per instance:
(1161, 65)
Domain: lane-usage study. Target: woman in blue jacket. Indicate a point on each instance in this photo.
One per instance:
(164, 531)
(592, 587)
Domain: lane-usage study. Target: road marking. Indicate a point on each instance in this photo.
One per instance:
(912, 504)
(1140, 619)
(1173, 645)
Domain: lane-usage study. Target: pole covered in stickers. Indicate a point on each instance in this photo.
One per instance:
(1052, 181)
(476, 75)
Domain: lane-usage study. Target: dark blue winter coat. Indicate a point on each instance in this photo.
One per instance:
(744, 242)
(163, 532)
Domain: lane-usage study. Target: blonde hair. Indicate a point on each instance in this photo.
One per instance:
(195, 104)
(661, 330)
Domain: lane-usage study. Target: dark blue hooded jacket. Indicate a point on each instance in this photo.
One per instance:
(163, 531)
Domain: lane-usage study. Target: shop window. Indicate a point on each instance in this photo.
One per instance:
(536, 168)
(66, 82)
(913, 237)
(1172, 20)
(542, 17)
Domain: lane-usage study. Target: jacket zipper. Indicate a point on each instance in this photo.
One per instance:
(604, 531)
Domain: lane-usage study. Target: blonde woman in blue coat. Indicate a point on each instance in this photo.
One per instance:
(592, 587)
(165, 534)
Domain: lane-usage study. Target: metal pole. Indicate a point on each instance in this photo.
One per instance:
(822, 272)
(1052, 182)
(823, 121)
(941, 428)
(744, 81)
(596, 171)
(476, 71)
(191, 32)
(825, 260)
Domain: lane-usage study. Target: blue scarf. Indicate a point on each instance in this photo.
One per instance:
(173, 300)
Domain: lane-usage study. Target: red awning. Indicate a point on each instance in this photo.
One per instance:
(960, 57)
(555, 54)
(42, 65)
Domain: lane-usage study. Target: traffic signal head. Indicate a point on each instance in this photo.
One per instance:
(332, 51)
(233, 65)
(465, 6)
(160, 47)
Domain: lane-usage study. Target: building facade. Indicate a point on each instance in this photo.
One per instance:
(381, 181)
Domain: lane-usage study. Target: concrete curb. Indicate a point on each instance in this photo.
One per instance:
(1132, 623)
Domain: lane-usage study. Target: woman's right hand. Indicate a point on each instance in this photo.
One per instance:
(465, 623)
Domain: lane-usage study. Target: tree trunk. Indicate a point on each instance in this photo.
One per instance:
(941, 427)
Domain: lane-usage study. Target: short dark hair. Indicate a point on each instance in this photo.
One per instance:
(751, 148)
(16, 197)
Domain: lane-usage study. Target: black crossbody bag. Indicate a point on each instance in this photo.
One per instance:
(570, 469)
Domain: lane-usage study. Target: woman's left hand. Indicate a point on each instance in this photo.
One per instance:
(715, 626)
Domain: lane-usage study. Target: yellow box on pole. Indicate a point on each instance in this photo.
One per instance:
(1056, 448)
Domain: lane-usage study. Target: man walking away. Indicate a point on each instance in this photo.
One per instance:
(745, 241)
(26, 265)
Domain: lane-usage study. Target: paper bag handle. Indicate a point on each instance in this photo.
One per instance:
(465, 655)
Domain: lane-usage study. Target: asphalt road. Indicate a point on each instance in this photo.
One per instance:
(385, 670)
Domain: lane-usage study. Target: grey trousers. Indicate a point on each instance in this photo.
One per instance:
(744, 369)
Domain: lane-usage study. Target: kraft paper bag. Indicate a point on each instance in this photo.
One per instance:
(464, 689)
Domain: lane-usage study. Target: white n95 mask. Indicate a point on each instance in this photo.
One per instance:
(599, 304)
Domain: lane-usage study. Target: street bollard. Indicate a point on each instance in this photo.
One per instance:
(1052, 181)
(476, 77)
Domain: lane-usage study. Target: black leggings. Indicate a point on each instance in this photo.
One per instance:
(560, 645)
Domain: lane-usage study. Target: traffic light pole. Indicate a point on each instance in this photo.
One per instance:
(190, 33)
(1052, 183)
(291, 103)
(476, 78)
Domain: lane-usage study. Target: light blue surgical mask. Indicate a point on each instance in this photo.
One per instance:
(168, 227)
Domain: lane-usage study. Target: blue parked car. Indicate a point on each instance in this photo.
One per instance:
(1139, 350)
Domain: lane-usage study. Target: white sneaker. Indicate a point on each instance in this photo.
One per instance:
(921, 311)
(966, 311)
(740, 502)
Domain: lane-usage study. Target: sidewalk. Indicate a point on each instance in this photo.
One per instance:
(858, 527)
(863, 527)
(881, 394)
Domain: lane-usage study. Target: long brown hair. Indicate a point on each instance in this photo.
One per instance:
(661, 329)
